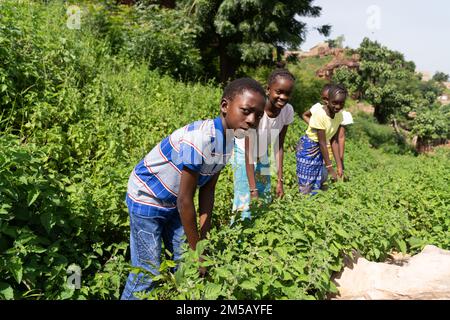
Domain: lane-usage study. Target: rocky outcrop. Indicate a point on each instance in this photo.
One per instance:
(423, 276)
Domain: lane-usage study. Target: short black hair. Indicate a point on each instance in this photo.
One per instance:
(240, 85)
(337, 89)
(279, 72)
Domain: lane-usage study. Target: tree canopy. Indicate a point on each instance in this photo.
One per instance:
(383, 79)
(248, 32)
(389, 82)
(440, 76)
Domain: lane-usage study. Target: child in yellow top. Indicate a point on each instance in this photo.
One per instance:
(312, 148)
(347, 120)
(322, 121)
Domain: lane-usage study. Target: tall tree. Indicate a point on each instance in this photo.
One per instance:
(385, 79)
(247, 32)
(440, 76)
(389, 82)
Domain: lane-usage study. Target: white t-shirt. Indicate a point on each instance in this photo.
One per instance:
(270, 128)
(348, 119)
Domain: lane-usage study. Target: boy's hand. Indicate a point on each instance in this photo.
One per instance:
(280, 189)
(254, 193)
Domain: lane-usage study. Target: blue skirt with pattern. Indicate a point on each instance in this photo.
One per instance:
(311, 172)
(241, 202)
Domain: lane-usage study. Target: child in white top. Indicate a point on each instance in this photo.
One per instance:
(251, 161)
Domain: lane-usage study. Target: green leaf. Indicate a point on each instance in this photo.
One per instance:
(212, 291)
(334, 250)
(333, 288)
(16, 268)
(335, 267)
(32, 196)
(207, 263)
(223, 273)
(248, 285)
(47, 221)
(4, 208)
(66, 294)
(99, 251)
(376, 253)
(415, 242)
(167, 264)
(341, 232)
(287, 276)
(179, 275)
(282, 252)
(271, 237)
(402, 245)
(6, 291)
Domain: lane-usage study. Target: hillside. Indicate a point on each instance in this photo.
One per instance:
(416, 109)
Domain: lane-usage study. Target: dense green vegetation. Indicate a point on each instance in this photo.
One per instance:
(389, 82)
(248, 32)
(78, 110)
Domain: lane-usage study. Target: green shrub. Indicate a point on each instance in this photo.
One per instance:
(366, 130)
(291, 249)
(432, 123)
(75, 120)
(164, 39)
(308, 87)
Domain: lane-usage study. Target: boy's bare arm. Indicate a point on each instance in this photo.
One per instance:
(186, 208)
(206, 204)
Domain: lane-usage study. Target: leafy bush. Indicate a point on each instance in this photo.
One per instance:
(307, 91)
(68, 105)
(75, 119)
(432, 123)
(367, 131)
(291, 249)
(349, 78)
(164, 39)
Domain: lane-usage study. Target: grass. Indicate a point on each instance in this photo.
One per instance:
(311, 64)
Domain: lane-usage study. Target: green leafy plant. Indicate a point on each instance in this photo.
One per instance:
(76, 116)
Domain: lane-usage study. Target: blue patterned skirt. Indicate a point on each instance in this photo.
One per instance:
(241, 200)
(311, 171)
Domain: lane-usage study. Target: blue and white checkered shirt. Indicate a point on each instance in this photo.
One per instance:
(154, 183)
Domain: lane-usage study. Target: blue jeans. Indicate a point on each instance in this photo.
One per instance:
(146, 236)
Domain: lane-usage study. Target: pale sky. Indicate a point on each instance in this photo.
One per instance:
(419, 29)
